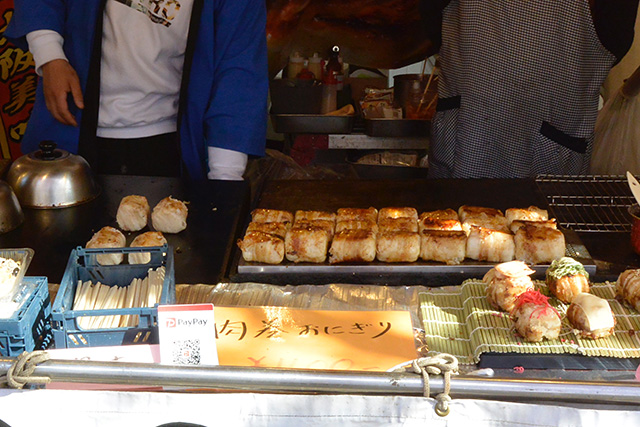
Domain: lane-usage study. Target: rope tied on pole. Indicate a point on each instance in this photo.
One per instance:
(441, 364)
(20, 373)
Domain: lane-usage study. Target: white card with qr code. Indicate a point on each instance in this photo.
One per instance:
(187, 334)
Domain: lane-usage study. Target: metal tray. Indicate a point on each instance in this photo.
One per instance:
(312, 123)
(397, 127)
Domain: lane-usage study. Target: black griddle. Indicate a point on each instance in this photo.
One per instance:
(201, 252)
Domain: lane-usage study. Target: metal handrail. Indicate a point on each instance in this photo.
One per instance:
(330, 382)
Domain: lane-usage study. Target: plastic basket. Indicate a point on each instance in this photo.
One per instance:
(29, 328)
(83, 266)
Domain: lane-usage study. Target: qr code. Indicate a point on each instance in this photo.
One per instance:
(186, 352)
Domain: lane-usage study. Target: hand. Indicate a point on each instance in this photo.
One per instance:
(59, 79)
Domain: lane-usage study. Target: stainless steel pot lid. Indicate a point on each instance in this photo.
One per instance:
(52, 178)
(11, 215)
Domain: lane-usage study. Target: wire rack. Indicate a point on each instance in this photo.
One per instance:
(588, 203)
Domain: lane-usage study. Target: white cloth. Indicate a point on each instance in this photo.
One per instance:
(45, 46)
(227, 165)
(150, 409)
(143, 50)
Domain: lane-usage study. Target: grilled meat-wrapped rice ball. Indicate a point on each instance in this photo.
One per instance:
(465, 212)
(506, 282)
(314, 215)
(443, 214)
(257, 246)
(271, 215)
(133, 213)
(355, 224)
(517, 224)
(326, 224)
(532, 213)
(443, 246)
(591, 316)
(398, 246)
(108, 237)
(169, 215)
(353, 246)
(482, 217)
(538, 245)
(307, 244)
(534, 317)
(150, 238)
(485, 244)
(398, 224)
(398, 213)
(628, 287)
(567, 278)
(439, 224)
(276, 228)
(347, 214)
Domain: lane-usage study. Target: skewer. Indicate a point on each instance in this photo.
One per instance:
(79, 291)
(103, 294)
(424, 67)
(424, 94)
(435, 98)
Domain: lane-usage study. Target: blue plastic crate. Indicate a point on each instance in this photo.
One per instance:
(30, 326)
(83, 266)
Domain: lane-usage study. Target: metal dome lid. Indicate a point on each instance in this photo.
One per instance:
(52, 178)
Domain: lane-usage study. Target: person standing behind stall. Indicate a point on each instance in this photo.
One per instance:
(149, 87)
(519, 83)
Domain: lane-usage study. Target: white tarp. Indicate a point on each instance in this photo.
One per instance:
(71, 408)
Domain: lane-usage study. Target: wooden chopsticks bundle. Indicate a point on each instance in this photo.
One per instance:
(140, 293)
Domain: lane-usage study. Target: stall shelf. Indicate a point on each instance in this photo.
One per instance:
(205, 253)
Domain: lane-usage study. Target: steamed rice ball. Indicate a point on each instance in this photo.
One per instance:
(169, 216)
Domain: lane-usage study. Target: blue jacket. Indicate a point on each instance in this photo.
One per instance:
(226, 94)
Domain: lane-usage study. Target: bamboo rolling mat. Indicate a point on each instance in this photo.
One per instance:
(461, 322)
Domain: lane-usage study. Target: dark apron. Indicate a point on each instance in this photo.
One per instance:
(518, 90)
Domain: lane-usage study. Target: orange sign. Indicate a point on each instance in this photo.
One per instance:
(280, 337)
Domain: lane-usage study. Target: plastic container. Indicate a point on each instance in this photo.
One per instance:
(315, 66)
(22, 256)
(403, 84)
(329, 98)
(296, 64)
(83, 266)
(29, 328)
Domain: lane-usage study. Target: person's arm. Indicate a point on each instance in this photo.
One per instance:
(45, 46)
(58, 76)
(33, 15)
(227, 165)
(614, 21)
(236, 117)
(29, 19)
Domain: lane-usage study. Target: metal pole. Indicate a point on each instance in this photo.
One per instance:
(336, 382)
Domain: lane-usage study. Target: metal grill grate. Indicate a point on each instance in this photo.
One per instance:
(589, 203)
